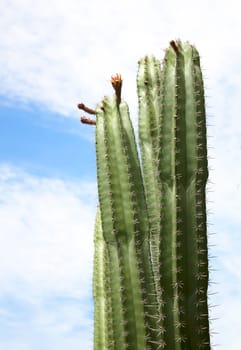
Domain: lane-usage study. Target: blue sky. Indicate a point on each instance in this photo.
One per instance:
(45, 142)
(54, 54)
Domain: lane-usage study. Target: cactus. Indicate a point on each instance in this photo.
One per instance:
(151, 258)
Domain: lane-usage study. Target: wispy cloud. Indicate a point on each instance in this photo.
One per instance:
(45, 259)
(58, 52)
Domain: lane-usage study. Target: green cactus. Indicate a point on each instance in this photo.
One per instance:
(151, 259)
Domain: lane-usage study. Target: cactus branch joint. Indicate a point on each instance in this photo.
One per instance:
(150, 278)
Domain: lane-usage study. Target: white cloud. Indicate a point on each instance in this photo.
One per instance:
(47, 236)
(226, 278)
(56, 52)
(45, 258)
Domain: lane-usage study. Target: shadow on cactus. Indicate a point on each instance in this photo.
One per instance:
(151, 260)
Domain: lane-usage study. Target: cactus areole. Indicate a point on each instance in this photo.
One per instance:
(151, 260)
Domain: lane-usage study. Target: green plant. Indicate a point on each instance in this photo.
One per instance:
(151, 259)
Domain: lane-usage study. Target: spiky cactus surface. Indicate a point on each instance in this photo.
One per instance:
(151, 261)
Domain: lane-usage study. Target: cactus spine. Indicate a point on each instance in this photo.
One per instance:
(151, 258)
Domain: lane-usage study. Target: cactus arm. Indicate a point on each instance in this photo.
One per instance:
(119, 237)
(142, 234)
(196, 196)
(122, 195)
(102, 321)
(104, 189)
(168, 258)
(191, 176)
(183, 167)
(127, 233)
(148, 88)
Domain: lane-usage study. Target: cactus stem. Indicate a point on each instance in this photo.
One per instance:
(86, 109)
(151, 265)
(88, 121)
(174, 45)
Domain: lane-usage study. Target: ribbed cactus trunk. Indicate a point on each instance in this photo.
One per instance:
(131, 289)
(151, 259)
(172, 132)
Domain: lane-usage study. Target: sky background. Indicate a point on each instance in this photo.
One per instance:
(54, 54)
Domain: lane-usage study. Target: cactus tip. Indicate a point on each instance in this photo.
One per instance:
(88, 121)
(174, 45)
(83, 107)
(116, 82)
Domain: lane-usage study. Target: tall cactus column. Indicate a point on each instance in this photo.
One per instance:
(175, 168)
(125, 228)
